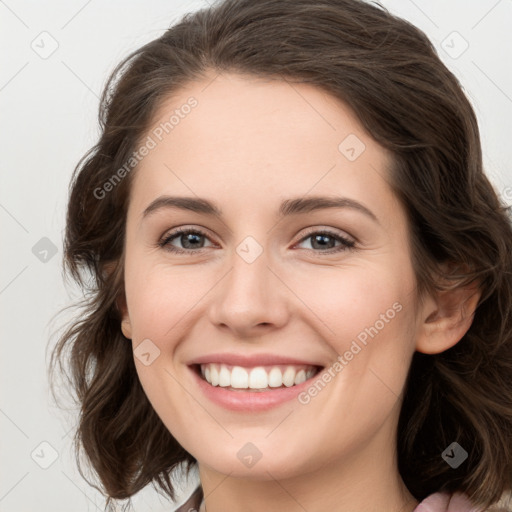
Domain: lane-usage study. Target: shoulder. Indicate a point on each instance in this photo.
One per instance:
(193, 503)
(456, 502)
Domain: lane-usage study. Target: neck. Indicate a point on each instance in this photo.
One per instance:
(366, 482)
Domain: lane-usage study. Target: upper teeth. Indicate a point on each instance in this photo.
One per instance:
(259, 377)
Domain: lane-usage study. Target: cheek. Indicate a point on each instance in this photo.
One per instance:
(351, 299)
(366, 316)
(160, 297)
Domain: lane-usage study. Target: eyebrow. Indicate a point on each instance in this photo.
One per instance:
(293, 206)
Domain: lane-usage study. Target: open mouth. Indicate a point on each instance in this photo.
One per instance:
(257, 378)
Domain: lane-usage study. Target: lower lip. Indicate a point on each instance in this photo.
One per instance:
(250, 401)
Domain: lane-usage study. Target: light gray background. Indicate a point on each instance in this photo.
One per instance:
(49, 111)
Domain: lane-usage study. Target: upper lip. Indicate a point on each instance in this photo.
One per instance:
(250, 360)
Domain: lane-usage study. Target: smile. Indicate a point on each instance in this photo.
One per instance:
(252, 382)
(263, 378)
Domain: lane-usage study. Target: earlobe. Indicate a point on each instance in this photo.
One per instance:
(126, 326)
(447, 318)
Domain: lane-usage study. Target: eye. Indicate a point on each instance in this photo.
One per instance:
(324, 240)
(189, 238)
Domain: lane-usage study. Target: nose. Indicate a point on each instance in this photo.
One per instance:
(250, 300)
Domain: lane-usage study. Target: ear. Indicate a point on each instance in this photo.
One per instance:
(121, 305)
(126, 326)
(446, 318)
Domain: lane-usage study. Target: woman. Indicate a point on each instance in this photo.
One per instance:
(340, 336)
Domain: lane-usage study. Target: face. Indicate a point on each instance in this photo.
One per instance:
(256, 273)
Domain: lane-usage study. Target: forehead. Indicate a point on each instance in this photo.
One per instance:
(249, 139)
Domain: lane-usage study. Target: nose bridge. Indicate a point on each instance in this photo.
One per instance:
(250, 273)
(250, 295)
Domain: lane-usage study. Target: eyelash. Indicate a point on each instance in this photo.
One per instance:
(164, 243)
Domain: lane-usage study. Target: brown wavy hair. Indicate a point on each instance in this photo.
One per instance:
(389, 73)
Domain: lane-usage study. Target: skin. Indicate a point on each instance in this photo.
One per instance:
(249, 144)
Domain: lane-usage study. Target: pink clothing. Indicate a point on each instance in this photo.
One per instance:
(445, 502)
